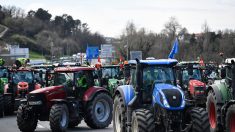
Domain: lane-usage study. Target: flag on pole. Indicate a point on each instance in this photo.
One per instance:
(174, 49)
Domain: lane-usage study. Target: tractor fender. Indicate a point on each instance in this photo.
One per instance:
(127, 92)
(92, 91)
(219, 97)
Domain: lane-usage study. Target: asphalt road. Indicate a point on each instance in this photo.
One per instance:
(8, 124)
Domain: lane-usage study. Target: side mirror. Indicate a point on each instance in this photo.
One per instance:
(223, 73)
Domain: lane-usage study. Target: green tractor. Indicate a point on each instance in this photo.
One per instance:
(221, 102)
(3, 81)
(111, 76)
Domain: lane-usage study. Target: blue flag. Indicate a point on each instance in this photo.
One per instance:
(174, 49)
(92, 52)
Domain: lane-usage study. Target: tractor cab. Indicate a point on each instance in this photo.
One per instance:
(21, 82)
(76, 79)
(3, 78)
(211, 73)
(41, 73)
(153, 75)
(110, 76)
(190, 79)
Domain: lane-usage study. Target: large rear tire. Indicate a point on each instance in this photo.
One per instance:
(1, 106)
(59, 117)
(99, 111)
(230, 119)
(25, 122)
(200, 120)
(142, 121)
(214, 112)
(8, 104)
(119, 118)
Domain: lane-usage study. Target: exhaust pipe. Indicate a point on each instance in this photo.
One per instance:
(138, 96)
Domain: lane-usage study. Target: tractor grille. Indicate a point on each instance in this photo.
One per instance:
(36, 97)
(201, 88)
(173, 97)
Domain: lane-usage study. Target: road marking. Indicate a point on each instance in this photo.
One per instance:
(40, 126)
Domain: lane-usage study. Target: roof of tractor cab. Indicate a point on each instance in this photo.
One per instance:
(188, 62)
(156, 62)
(104, 66)
(73, 69)
(22, 69)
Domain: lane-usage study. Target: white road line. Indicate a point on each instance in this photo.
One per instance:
(40, 126)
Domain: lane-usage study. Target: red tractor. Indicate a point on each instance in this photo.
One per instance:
(20, 82)
(190, 79)
(73, 97)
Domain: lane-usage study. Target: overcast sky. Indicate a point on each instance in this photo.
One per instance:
(109, 17)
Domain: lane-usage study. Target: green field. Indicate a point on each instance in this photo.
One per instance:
(35, 55)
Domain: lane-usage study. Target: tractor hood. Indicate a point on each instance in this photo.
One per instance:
(168, 96)
(196, 83)
(47, 89)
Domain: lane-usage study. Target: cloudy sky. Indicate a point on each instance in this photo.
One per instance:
(109, 17)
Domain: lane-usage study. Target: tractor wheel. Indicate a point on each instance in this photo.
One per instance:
(119, 119)
(142, 121)
(99, 111)
(1, 106)
(59, 117)
(214, 112)
(230, 119)
(200, 121)
(8, 105)
(74, 123)
(25, 121)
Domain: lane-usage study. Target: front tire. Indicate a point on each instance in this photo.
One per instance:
(99, 111)
(214, 112)
(59, 117)
(200, 120)
(8, 104)
(230, 119)
(26, 122)
(119, 118)
(142, 121)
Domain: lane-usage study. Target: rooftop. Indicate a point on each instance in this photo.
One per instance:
(156, 62)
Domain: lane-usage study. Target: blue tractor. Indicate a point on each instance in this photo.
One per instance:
(153, 102)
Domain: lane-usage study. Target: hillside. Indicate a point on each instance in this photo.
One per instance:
(38, 31)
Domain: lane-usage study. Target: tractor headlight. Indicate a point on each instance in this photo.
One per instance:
(35, 102)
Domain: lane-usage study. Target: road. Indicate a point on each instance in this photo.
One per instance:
(8, 124)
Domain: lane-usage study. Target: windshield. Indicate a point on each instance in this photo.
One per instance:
(62, 78)
(22, 76)
(158, 74)
(110, 72)
(196, 75)
(2, 72)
